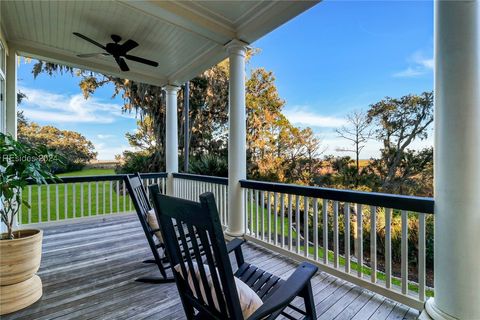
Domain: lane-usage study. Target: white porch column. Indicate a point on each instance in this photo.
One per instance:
(237, 149)
(171, 136)
(11, 94)
(457, 172)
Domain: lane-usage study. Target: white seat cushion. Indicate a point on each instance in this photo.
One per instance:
(153, 223)
(249, 300)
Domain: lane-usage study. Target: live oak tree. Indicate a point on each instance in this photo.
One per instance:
(398, 122)
(143, 138)
(208, 102)
(72, 146)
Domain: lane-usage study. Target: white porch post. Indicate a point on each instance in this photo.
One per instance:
(457, 150)
(11, 94)
(171, 136)
(237, 150)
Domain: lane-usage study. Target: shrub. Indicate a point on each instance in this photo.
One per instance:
(209, 165)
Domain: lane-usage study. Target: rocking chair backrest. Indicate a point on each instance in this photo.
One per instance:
(142, 206)
(186, 227)
(138, 194)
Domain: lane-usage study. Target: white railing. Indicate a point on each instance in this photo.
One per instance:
(80, 197)
(333, 229)
(191, 186)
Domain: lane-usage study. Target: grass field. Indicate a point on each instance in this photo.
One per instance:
(73, 200)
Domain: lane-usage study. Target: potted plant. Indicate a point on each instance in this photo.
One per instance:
(20, 250)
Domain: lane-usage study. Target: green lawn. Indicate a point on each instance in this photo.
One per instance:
(70, 203)
(88, 172)
(341, 260)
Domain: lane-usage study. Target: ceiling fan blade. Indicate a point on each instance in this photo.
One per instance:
(91, 55)
(89, 40)
(129, 45)
(142, 60)
(122, 64)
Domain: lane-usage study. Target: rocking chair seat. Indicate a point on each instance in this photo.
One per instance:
(249, 300)
(274, 291)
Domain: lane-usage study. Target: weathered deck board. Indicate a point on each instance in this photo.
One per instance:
(88, 268)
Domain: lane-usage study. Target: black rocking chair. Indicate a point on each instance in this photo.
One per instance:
(218, 298)
(142, 207)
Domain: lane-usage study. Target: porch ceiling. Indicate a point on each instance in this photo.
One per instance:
(185, 37)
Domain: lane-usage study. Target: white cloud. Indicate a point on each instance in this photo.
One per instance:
(409, 73)
(105, 136)
(42, 105)
(419, 65)
(299, 115)
(108, 152)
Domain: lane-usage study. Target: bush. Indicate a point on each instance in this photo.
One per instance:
(132, 162)
(209, 165)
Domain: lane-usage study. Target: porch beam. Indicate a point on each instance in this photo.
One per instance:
(11, 93)
(237, 150)
(171, 135)
(457, 150)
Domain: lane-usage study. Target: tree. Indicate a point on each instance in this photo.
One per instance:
(276, 149)
(398, 123)
(414, 174)
(358, 132)
(208, 106)
(144, 137)
(73, 147)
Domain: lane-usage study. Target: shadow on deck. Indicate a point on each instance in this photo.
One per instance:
(88, 268)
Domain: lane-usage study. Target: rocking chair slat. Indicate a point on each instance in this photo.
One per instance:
(215, 279)
(241, 271)
(272, 281)
(257, 279)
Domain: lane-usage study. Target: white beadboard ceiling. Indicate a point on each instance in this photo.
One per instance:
(184, 37)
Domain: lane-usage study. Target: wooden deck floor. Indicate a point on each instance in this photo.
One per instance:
(88, 269)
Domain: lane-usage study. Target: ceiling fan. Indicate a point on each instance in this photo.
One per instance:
(117, 50)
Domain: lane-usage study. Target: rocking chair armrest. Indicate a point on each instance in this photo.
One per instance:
(234, 244)
(287, 291)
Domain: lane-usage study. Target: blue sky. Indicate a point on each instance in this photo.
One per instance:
(337, 57)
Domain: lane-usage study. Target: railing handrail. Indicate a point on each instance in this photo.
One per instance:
(393, 201)
(198, 177)
(105, 177)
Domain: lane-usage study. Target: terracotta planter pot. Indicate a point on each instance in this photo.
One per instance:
(19, 261)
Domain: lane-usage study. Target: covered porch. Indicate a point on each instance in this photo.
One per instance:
(88, 273)
(187, 38)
